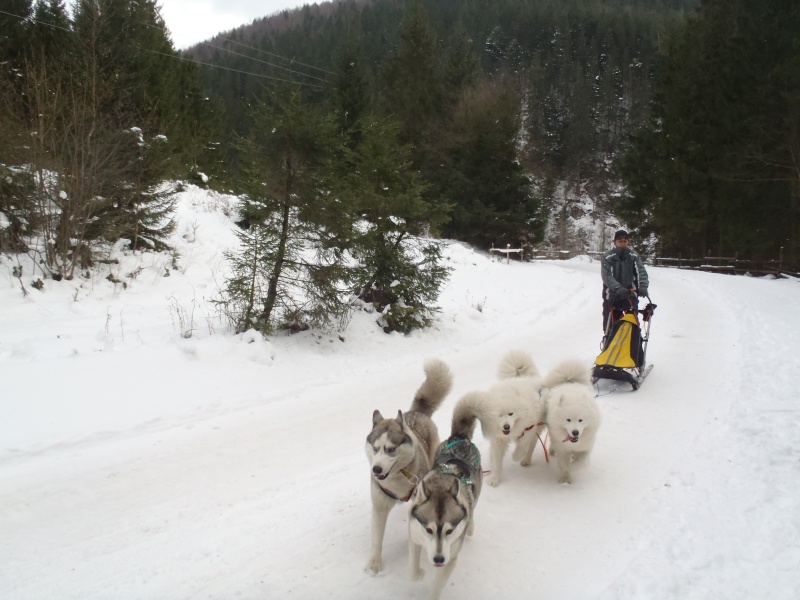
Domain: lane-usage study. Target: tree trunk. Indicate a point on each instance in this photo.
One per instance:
(272, 291)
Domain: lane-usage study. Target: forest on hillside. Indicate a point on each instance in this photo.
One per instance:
(351, 128)
(517, 111)
(521, 112)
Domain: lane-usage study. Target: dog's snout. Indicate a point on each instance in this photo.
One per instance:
(575, 433)
(377, 470)
(506, 427)
(438, 559)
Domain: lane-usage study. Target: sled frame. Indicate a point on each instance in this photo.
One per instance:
(635, 375)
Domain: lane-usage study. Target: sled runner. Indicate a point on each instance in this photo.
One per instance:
(624, 345)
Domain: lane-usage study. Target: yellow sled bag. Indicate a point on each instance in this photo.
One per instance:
(624, 350)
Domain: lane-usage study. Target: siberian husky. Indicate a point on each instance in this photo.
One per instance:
(401, 450)
(442, 510)
(512, 410)
(572, 417)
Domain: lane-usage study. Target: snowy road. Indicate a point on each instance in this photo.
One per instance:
(149, 466)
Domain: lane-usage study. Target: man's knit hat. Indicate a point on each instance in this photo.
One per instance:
(620, 234)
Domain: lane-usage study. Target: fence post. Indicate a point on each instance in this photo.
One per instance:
(508, 253)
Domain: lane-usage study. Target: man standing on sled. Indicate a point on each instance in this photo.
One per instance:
(623, 275)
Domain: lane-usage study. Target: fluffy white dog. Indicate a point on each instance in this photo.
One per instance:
(573, 416)
(512, 410)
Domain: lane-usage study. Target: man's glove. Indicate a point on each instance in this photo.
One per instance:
(642, 291)
(622, 293)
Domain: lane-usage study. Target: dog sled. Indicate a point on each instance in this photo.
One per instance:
(624, 345)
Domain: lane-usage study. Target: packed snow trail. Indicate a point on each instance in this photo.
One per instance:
(241, 473)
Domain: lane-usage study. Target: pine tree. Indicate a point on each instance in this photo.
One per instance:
(351, 87)
(51, 30)
(292, 273)
(482, 174)
(413, 77)
(716, 171)
(125, 42)
(16, 184)
(14, 34)
(400, 270)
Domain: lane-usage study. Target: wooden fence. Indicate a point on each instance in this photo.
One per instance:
(508, 251)
(728, 264)
(713, 264)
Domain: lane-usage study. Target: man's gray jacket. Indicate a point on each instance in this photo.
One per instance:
(622, 268)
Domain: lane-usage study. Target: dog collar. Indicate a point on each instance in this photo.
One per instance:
(412, 479)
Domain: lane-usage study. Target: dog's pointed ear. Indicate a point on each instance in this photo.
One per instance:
(377, 417)
(455, 486)
(420, 493)
(400, 417)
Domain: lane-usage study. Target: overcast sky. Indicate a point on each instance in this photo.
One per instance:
(192, 21)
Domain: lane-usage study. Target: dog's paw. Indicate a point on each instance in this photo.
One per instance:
(373, 566)
(565, 479)
(494, 482)
(525, 463)
(416, 574)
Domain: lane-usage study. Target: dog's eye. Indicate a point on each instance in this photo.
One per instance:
(390, 450)
(429, 530)
(511, 414)
(569, 420)
(449, 531)
(580, 420)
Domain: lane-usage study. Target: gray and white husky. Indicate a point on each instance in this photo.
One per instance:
(443, 508)
(401, 450)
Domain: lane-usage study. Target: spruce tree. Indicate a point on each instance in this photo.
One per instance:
(716, 170)
(400, 270)
(291, 272)
(413, 77)
(351, 87)
(481, 172)
(16, 183)
(125, 42)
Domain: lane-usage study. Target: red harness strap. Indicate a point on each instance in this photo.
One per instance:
(544, 447)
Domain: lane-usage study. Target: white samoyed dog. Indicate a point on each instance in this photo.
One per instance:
(573, 416)
(512, 410)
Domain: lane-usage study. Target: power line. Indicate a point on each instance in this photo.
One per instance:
(31, 19)
(197, 62)
(269, 54)
(291, 61)
(270, 64)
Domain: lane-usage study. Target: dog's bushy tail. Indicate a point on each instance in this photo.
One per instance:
(569, 371)
(437, 384)
(467, 411)
(517, 363)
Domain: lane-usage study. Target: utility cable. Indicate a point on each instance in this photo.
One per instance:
(31, 19)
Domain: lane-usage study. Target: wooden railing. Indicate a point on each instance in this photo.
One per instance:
(727, 264)
(713, 264)
(508, 251)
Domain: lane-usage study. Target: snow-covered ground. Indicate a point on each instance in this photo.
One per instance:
(139, 463)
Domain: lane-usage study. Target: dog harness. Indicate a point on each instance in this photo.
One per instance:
(448, 462)
(412, 479)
